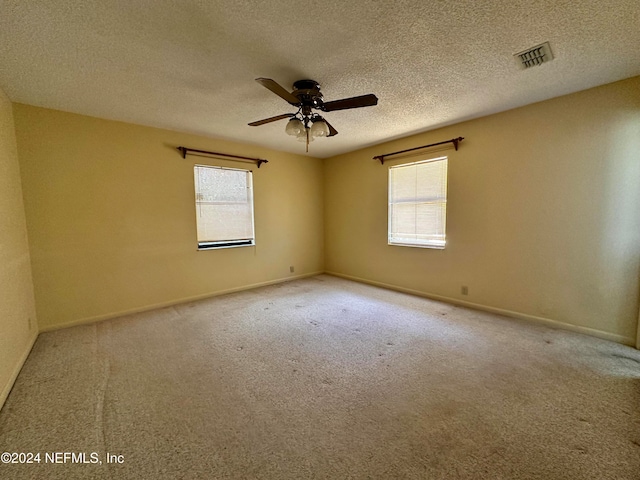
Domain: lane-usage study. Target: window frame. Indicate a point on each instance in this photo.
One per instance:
(207, 245)
(422, 244)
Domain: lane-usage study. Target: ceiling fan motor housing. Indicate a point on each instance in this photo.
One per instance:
(306, 85)
(308, 92)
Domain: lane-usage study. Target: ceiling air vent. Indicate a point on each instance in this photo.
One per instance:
(534, 56)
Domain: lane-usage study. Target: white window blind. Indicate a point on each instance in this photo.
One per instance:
(224, 207)
(418, 203)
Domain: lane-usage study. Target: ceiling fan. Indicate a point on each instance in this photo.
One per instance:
(306, 124)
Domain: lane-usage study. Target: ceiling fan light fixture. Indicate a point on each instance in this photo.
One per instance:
(304, 134)
(294, 127)
(319, 128)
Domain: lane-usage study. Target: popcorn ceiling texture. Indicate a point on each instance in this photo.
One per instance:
(328, 379)
(189, 65)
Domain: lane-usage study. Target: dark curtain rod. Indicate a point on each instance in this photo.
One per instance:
(455, 142)
(236, 158)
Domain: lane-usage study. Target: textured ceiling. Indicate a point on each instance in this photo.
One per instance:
(190, 65)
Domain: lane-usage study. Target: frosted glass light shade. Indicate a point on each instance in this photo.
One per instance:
(319, 129)
(294, 127)
(302, 137)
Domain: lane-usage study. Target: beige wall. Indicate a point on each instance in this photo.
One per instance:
(17, 309)
(111, 217)
(542, 214)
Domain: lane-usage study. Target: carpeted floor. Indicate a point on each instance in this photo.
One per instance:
(324, 378)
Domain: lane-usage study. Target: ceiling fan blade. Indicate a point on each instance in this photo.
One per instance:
(272, 119)
(332, 131)
(353, 102)
(276, 88)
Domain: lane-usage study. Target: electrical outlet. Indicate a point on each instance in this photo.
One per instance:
(464, 290)
(291, 269)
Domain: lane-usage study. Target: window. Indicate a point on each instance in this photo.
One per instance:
(224, 207)
(418, 203)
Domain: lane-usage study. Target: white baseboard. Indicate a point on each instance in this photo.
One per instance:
(500, 311)
(146, 308)
(6, 389)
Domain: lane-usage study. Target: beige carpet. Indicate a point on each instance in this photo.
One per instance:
(324, 378)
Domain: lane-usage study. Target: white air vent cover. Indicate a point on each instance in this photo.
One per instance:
(534, 56)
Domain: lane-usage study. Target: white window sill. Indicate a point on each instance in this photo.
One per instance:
(416, 245)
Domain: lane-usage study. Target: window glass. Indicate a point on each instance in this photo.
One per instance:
(418, 203)
(224, 207)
